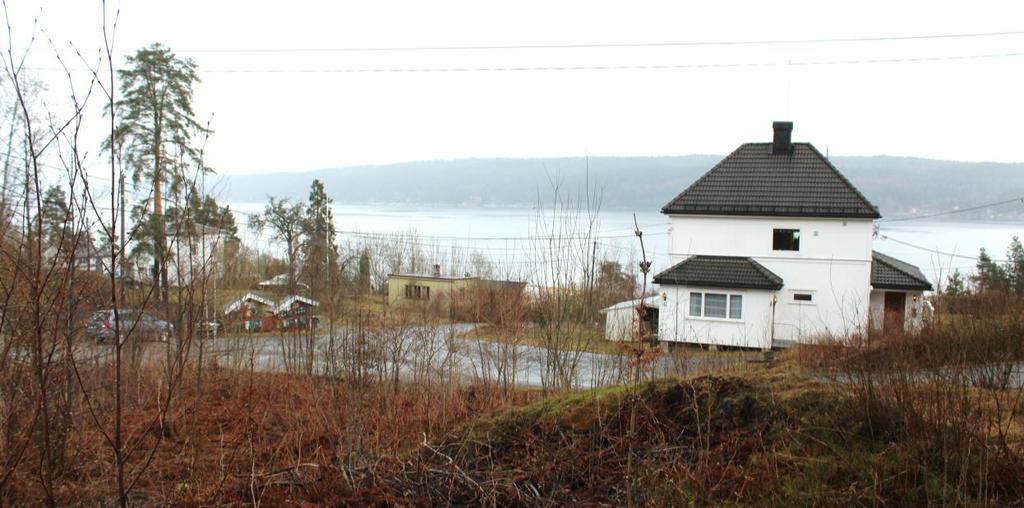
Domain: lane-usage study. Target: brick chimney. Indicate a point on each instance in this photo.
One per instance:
(783, 141)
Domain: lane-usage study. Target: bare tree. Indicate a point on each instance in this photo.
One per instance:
(285, 221)
(565, 252)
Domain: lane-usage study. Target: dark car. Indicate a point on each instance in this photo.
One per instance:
(134, 324)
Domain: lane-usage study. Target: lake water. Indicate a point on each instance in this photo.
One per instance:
(510, 237)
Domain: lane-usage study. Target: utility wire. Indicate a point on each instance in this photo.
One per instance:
(569, 68)
(934, 251)
(601, 45)
(563, 68)
(1019, 199)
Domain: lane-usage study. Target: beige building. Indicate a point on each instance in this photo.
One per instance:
(428, 289)
(463, 297)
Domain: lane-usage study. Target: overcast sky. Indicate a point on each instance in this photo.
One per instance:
(280, 99)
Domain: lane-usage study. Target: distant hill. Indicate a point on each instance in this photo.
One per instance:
(897, 185)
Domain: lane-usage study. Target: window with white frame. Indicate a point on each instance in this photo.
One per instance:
(716, 305)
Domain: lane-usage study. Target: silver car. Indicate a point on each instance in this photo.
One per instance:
(135, 324)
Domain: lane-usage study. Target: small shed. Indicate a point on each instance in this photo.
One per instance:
(621, 319)
(250, 313)
(295, 313)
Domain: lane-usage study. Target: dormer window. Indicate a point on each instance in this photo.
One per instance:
(786, 239)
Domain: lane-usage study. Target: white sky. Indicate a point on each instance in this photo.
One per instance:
(963, 109)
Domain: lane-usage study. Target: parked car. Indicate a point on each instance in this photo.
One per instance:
(140, 325)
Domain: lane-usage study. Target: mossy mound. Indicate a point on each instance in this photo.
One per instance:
(768, 437)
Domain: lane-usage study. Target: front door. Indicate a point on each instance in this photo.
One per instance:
(895, 311)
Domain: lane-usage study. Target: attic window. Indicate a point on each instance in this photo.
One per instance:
(786, 239)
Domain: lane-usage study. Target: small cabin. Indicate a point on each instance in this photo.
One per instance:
(250, 313)
(296, 313)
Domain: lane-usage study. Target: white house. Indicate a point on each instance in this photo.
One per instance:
(774, 246)
(193, 256)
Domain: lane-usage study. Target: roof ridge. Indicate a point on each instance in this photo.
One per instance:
(765, 271)
(843, 178)
(669, 269)
(704, 176)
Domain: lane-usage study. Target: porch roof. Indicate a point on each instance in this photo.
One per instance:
(888, 272)
(720, 272)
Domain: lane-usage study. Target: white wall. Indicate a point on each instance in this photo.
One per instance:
(833, 264)
(753, 330)
(915, 309)
(188, 263)
(752, 236)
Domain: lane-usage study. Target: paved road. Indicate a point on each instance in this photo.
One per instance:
(439, 350)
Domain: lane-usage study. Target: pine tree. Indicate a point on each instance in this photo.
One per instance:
(56, 217)
(320, 256)
(955, 285)
(364, 272)
(1015, 266)
(989, 275)
(154, 134)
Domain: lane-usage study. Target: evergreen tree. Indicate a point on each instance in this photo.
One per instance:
(1015, 266)
(364, 272)
(955, 284)
(154, 135)
(989, 276)
(56, 216)
(320, 256)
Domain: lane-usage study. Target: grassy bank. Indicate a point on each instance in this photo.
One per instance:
(766, 437)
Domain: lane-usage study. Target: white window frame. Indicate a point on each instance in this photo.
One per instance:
(704, 302)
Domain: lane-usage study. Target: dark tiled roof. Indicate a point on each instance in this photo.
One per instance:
(720, 272)
(752, 181)
(890, 273)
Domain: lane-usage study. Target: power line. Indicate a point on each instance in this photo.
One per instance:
(391, 236)
(388, 236)
(564, 68)
(956, 210)
(935, 251)
(570, 68)
(602, 45)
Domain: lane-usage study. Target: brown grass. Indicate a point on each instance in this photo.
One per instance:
(262, 438)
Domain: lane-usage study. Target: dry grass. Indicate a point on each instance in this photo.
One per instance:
(264, 438)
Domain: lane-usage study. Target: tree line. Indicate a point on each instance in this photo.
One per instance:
(991, 276)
